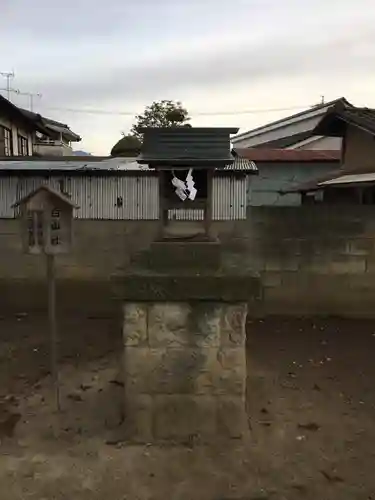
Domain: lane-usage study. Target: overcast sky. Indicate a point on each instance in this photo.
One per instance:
(216, 57)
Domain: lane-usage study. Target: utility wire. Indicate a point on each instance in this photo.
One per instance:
(134, 113)
(192, 113)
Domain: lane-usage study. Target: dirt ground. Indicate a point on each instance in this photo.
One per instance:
(311, 406)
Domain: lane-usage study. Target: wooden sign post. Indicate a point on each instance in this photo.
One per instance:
(46, 229)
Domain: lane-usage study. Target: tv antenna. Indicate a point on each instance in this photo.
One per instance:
(30, 95)
(9, 76)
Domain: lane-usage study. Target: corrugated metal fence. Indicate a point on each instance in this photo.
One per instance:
(123, 197)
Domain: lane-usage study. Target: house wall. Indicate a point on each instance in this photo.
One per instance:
(15, 131)
(275, 176)
(311, 260)
(360, 149)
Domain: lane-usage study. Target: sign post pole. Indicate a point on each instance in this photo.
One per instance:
(54, 341)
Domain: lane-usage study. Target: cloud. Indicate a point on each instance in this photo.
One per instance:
(168, 77)
(121, 55)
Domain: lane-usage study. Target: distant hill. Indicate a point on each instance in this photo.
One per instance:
(81, 153)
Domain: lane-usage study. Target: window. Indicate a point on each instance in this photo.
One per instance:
(23, 146)
(6, 145)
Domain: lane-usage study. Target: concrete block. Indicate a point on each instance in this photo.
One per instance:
(184, 370)
(183, 418)
(224, 372)
(135, 324)
(232, 418)
(233, 321)
(348, 265)
(359, 246)
(271, 278)
(193, 255)
(282, 264)
(370, 264)
(163, 371)
(176, 324)
(167, 324)
(138, 423)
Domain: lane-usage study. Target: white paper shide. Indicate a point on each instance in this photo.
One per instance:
(185, 189)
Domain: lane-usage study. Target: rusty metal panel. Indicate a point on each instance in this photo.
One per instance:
(229, 201)
(229, 198)
(8, 188)
(123, 197)
(14, 188)
(111, 198)
(116, 198)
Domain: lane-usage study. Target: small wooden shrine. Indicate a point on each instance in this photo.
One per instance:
(186, 158)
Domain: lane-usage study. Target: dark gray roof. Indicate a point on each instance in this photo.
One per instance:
(186, 146)
(340, 100)
(336, 119)
(16, 113)
(52, 125)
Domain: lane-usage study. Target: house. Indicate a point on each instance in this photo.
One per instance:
(57, 142)
(280, 169)
(23, 133)
(354, 181)
(17, 130)
(107, 188)
(292, 132)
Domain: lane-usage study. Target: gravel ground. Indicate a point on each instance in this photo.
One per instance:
(311, 407)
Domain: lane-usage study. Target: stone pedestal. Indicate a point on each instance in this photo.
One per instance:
(184, 344)
(184, 370)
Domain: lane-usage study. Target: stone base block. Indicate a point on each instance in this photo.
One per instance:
(184, 418)
(184, 371)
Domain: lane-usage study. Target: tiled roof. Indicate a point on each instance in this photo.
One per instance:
(13, 110)
(297, 116)
(288, 155)
(364, 117)
(242, 164)
(333, 121)
(51, 124)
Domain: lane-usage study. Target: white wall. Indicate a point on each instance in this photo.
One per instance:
(285, 130)
(319, 142)
(264, 189)
(58, 149)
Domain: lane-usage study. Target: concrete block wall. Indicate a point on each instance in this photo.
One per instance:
(312, 260)
(101, 248)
